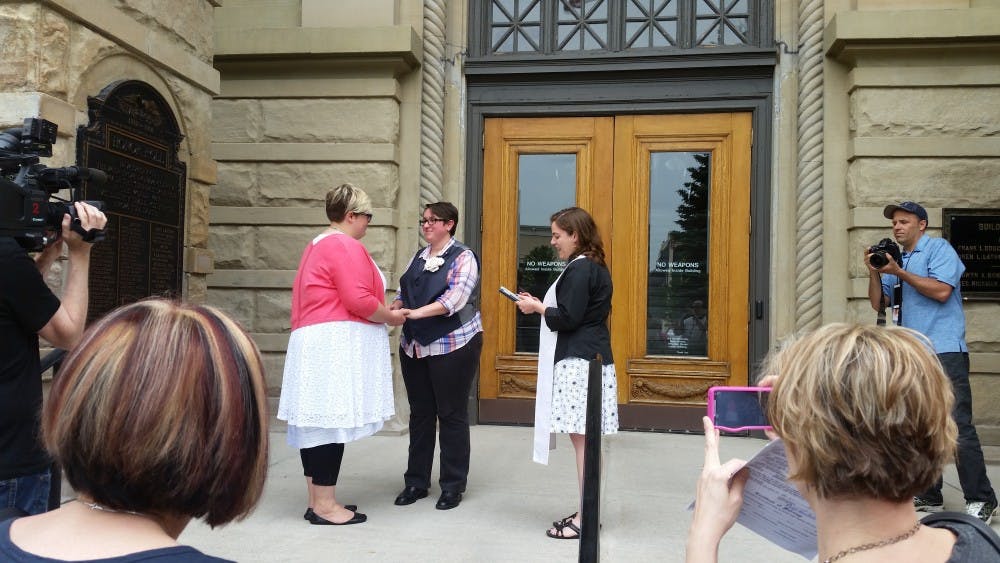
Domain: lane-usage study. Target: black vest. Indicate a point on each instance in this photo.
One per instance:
(422, 287)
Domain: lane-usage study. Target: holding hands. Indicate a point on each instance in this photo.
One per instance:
(397, 316)
(890, 267)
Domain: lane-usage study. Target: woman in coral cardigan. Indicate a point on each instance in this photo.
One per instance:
(337, 385)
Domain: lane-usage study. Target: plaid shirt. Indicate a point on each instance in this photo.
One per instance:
(462, 279)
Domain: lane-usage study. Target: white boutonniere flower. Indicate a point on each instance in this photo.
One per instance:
(433, 263)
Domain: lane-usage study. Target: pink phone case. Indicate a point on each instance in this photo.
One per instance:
(711, 406)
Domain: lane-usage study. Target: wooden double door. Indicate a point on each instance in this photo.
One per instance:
(671, 198)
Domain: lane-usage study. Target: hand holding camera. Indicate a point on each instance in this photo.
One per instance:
(29, 207)
(882, 254)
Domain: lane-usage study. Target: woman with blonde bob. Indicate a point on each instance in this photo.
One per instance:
(158, 416)
(865, 416)
(337, 384)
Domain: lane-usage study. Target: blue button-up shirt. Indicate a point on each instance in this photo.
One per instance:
(942, 323)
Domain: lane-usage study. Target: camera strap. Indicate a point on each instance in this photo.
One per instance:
(897, 303)
(88, 235)
(880, 317)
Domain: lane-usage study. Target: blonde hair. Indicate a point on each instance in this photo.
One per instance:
(346, 198)
(162, 409)
(864, 411)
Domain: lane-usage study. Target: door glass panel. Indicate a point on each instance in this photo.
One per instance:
(677, 292)
(546, 183)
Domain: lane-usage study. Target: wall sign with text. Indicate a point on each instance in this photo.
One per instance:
(975, 234)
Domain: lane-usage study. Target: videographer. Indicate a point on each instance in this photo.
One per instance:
(29, 309)
(923, 291)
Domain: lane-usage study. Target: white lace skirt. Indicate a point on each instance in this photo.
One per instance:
(337, 384)
(569, 397)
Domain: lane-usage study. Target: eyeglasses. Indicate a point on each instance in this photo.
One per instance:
(432, 220)
(369, 215)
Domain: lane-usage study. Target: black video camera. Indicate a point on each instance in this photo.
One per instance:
(26, 214)
(884, 247)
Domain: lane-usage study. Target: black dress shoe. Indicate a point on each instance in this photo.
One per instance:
(448, 500)
(318, 520)
(410, 495)
(309, 511)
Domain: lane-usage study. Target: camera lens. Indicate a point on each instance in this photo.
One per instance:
(878, 259)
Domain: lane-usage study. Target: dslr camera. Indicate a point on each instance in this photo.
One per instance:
(29, 209)
(885, 247)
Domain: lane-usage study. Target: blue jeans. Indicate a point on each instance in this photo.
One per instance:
(29, 493)
(969, 459)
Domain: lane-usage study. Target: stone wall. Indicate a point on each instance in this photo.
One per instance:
(313, 94)
(919, 91)
(56, 53)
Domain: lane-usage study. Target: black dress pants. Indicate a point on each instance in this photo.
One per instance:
(437, 388)
(969, 459)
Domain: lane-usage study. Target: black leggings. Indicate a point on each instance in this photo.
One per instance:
(322, 463)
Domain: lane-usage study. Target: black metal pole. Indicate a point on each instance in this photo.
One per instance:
(54, 360)
(590, 541)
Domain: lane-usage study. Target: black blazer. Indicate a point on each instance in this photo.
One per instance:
(583, 302)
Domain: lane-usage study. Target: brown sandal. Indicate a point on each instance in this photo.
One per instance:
(564, 520)
(560, 533)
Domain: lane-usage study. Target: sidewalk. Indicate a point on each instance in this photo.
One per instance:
(649, 481)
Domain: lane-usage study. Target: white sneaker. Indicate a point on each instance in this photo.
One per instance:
(982, 510)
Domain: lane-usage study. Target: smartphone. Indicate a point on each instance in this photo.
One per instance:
(509, 294)
(735, 409)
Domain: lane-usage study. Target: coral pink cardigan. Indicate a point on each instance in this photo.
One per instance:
(336, 281)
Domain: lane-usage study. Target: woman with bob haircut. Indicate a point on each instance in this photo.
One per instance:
(574, 330)
(865, 416)
(158, 416)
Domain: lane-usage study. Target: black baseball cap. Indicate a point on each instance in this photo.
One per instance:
(907, 206)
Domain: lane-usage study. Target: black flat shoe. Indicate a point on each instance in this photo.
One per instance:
(318, 520)
(448, 500)
(309, 511)
(410, 495)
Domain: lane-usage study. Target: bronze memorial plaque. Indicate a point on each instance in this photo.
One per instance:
(134, 138)
(975, 234)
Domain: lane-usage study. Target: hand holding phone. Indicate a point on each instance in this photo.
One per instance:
(509, 294)
(735, 409)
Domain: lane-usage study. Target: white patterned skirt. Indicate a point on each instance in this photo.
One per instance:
(569, 397)
(337, 384)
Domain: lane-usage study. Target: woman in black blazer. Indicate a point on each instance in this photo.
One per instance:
(574, 330)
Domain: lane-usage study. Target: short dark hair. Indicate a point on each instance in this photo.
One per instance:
(162, 409)
(588, 239)
(445, 210)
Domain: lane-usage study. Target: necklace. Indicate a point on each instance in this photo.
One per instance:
(102, 508)
(866, 546)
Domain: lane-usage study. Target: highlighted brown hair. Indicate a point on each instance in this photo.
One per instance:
(588, 239)
(865, 411)
(161, 409)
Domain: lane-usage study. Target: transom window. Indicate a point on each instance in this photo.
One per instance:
(558, 26)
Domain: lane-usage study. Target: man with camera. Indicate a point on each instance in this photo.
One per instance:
(29, 309)
(922, 287)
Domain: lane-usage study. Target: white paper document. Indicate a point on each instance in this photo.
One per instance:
(773, 507)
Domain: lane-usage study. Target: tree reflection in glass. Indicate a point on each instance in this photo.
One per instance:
(677, 290)
(546, 183)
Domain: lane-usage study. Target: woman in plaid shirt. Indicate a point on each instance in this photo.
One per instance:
(439, 352)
